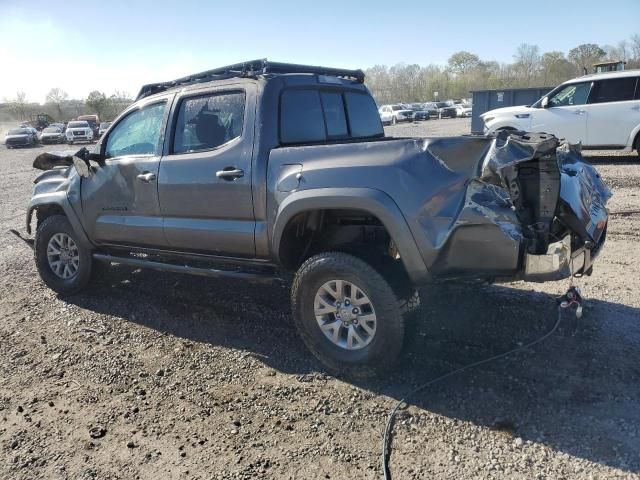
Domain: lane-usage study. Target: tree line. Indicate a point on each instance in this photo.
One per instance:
(465, 71)
(62, 108)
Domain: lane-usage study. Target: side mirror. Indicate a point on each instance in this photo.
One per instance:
(545, 102)
(97, 157)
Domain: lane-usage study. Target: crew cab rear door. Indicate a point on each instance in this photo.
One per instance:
(120, 201)
(204, 185)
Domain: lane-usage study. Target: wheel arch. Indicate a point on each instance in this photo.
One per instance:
(370, 201)
(635, 138)
(56, 203)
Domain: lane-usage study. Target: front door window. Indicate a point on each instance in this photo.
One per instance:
(574, 94)
(138, 133)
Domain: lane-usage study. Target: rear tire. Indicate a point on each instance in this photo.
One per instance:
(364, 303)
(67, 272)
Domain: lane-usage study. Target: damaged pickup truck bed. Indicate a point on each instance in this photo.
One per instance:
(261, 168)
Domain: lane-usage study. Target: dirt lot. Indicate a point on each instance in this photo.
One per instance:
(185, 377)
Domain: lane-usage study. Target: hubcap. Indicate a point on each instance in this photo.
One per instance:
(63, 256)
(345, 314)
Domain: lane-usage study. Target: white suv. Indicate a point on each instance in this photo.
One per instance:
(601, 111)
(78, 131)
(395, 113)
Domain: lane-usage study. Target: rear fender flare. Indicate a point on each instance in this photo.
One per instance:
(369, 200)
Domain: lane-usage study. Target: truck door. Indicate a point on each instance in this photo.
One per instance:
(204, 184)
(120, 200)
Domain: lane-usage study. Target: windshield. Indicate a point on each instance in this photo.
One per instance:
(441, 105)
(397, 107)
(51, 130)
(77, 125)
(18, 131)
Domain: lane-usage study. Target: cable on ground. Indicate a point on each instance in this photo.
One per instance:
(568, 300)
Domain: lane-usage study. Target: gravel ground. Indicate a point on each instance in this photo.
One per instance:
(154, 375)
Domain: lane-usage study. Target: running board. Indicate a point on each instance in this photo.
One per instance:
(266, 277)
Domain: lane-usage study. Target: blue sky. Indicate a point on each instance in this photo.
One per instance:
(109, 45)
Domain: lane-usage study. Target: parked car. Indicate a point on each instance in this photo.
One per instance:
(445, 110)
(463, 110)
(398, 113)
(601, 111)
(432, 108)
(288, 169)
(419, 113)
(21, 137)
(61, 126)
(78, 131)
(103, 128)
(52, 135)
(385, 117)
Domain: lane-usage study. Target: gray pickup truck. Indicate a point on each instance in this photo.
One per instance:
(259, 169)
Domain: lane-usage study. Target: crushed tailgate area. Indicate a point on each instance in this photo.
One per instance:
(159, 375)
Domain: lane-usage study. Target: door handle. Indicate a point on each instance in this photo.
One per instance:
(146, 177)
(230, 173)
(637, 107)
(578, 112)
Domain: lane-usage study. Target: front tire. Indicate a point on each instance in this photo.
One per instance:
(63, 263)
(347, 314)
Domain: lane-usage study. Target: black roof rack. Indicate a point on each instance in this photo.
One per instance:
(249, 69)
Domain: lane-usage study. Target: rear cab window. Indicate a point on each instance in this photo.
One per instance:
(315, 115)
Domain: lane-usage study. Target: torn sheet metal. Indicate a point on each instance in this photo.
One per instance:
(66, 158)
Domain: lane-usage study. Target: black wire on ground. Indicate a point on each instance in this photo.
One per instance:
(624, 212)
(386, 445)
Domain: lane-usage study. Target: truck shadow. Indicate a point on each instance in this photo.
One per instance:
(578, 392)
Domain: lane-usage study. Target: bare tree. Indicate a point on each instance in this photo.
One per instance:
(555, 68)
(585, 55)
(526, 63)
(97, 102)
(55, 97)
(461, 63)
(19, 105)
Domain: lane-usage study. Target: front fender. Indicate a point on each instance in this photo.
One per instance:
(370, 200)
(59, 199)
